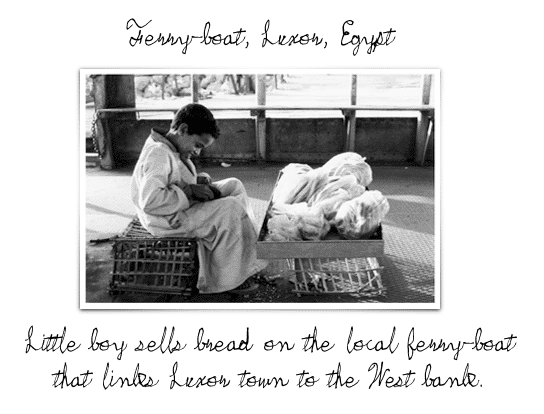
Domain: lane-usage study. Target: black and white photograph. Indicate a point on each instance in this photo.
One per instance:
(215, 188)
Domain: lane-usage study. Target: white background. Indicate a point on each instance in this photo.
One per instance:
(490, 219)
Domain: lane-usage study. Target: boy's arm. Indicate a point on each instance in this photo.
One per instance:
(156, 194)
(199, 192)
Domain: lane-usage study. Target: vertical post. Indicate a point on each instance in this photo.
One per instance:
(261, 89)
(426, 98)
(352, 114)
(112, 91)
(422, 135)
(430, 134)
(353, 89)
(260, 127)
(350, 117)
(195, 87)
(234, 83)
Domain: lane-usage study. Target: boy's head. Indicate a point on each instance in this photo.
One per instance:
(193, 129)
(198, 119)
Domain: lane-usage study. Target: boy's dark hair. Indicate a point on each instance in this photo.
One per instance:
(198, 118)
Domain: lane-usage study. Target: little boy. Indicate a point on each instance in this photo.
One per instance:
(172, 199)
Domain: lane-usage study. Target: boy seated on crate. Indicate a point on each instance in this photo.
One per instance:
(171, 199)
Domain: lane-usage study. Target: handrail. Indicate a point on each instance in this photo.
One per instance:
(421, 108)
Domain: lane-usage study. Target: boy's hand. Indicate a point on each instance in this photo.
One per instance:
(203, 178)
(216, 192)
(200, 192)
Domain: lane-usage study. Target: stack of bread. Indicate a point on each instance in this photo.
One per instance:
(307, 202)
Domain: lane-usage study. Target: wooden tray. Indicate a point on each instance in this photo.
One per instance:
(331, 247)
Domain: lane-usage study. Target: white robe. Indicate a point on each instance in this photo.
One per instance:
(225, 228)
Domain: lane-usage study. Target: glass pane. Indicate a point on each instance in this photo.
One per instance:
(162, 91)
(308, 90)
(223, 91)
(389, 89)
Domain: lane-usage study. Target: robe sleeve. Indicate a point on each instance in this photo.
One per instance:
(157, 194)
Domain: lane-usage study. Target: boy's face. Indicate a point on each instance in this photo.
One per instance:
(190, 145)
